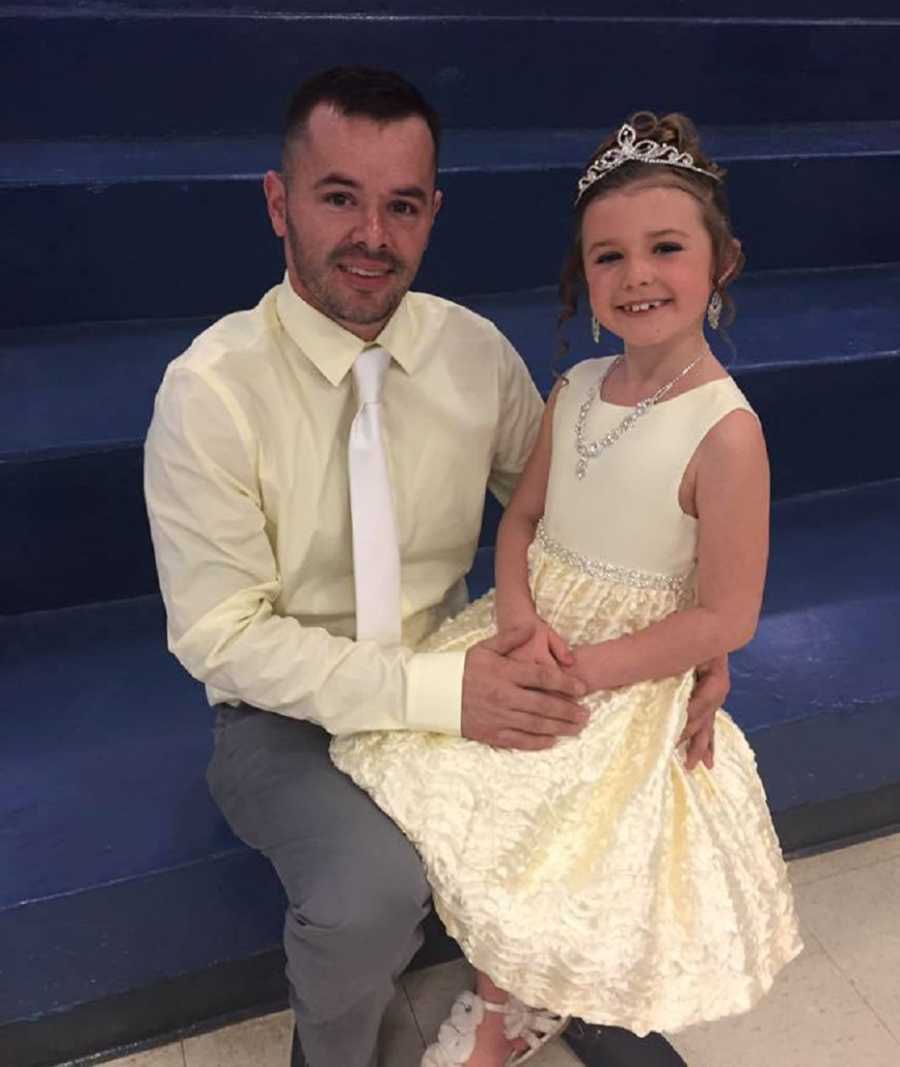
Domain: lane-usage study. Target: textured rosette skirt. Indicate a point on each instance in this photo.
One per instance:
(598, 878)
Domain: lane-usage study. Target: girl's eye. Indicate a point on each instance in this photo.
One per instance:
(666, 247)
(608, 257)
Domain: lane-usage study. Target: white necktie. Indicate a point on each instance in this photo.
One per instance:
(376, 555)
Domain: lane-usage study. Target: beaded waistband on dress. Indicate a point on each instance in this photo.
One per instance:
(675, 583)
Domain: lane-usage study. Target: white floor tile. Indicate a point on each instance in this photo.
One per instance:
(812, 1016)
(266, 1042)
(856, 917)
(839, 861)
(263, 1042)
(857, 1040)
(166, 1056)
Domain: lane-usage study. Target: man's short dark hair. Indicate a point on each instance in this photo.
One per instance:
(380, 95)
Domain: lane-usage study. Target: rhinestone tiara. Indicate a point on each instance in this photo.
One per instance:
(629, 149)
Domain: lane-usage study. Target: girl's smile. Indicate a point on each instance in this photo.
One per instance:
(643, 307)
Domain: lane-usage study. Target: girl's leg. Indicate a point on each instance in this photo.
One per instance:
(492, 1046)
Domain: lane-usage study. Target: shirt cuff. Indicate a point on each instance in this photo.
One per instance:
(434, 692)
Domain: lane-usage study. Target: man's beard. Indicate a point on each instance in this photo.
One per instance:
(344, 307)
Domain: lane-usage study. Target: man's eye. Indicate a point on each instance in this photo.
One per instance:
(337, 199)
(666, 247)
(404, 207)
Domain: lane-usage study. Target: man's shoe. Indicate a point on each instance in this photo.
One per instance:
(297, 1057)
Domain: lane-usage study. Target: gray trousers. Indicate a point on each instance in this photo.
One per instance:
(355, 886)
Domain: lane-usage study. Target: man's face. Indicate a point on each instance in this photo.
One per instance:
(355, 208)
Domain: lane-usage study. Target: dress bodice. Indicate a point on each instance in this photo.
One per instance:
(625, 510)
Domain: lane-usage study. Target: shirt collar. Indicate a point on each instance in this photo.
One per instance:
(332, 349)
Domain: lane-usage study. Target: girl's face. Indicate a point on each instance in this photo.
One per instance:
(648, 265)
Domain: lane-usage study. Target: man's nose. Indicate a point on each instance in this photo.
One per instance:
(371, 229)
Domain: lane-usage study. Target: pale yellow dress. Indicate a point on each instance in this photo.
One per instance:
(599, 878)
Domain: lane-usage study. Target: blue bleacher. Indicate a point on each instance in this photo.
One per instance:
(133, 216)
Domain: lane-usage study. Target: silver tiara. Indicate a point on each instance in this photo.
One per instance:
(629, 150)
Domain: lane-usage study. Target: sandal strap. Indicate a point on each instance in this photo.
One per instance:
(535, 1026)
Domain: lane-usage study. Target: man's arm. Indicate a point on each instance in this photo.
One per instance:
(220, 583)
(507, 702)
(519, 420)
(710, 690)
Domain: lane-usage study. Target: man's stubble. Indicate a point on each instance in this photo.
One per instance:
(363, 310)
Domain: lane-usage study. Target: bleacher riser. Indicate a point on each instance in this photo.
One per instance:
(479, 71)
(171, 248)
(717, 9)
(76, 525)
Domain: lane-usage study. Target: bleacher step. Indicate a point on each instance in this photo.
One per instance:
(77, 71)
(95, 163)
(165, 229)
(816, 353)
(86, 386)
(805, 10)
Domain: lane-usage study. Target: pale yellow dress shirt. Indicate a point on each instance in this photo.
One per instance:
(248, 497)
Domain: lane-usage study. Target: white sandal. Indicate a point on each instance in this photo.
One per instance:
(534, 1026)
(456, 1037)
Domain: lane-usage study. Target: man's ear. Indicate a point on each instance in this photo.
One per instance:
(276, 193)
(437, 201)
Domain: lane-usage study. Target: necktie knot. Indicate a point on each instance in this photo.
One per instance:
(368, 374)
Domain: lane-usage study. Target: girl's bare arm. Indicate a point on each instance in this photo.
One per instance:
(514, 605)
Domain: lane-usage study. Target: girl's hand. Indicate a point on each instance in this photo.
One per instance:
(544, 646)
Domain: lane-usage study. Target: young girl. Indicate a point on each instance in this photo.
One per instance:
(600, 878)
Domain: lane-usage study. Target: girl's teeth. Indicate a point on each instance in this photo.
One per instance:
(643, 307)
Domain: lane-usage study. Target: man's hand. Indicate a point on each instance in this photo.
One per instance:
(712, 686)
(511, 704)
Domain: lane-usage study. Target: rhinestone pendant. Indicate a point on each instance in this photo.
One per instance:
(591, 450)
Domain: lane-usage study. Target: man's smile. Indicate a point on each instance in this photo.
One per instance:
(367, 276)
(363, 273)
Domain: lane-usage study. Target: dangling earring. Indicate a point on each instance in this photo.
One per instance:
(714, 311)
(595, 329)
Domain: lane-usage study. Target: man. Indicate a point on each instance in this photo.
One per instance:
(250, 490)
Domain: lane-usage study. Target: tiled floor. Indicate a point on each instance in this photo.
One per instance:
(838, 1005)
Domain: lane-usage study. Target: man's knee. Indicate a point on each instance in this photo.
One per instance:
(349, 939)
(358, 902)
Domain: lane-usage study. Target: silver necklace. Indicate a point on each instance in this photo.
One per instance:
(588, 450)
